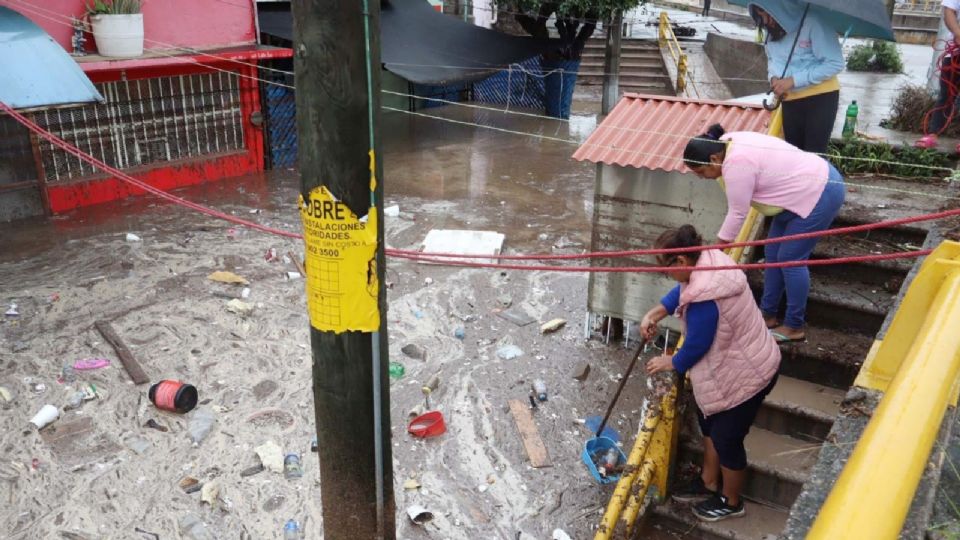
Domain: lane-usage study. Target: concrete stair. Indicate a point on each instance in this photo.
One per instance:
(641, 67)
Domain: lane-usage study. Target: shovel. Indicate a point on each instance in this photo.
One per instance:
(595, 448)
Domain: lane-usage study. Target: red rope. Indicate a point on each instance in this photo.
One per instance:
(948, 76)
(439, 257)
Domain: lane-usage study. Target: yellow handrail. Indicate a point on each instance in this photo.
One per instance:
(667, 38)
(898, 439)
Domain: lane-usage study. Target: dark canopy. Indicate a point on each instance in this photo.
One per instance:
(427, 47)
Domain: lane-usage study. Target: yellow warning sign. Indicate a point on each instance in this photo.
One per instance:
(340, 262)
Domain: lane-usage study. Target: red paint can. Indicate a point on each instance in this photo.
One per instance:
(174, 396)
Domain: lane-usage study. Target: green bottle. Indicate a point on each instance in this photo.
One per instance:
(850, 123)
(396, 370)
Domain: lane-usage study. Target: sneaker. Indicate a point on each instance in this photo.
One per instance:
(716, 509)
(693, 491)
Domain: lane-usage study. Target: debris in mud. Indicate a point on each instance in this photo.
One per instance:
(552, 326)
(271, 456)
(133, 238)
(516, 316)
(252, 470)
(12, 311)
(582, 371)
(509, 352)
(414, 351)
(558, 534)
(90, 364)
(529, 435)
(201, 422)
(210, 492)
(6, 394)
(188, 483)
(428, 281)
(459, 333)
(153, 424)
(505, 300)
(411, 484)
(564, 243)
(239, 307)
(392, 211)
(271, 255)
(19, 346)
(396, 370)
(222, 276)
(419, 514)
(45, 416)
(293, 275)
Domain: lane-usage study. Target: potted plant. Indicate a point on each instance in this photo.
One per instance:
(117, 27)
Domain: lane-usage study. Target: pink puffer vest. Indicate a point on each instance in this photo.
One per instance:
(744, 356)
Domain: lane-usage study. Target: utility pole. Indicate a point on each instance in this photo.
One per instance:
(611, 63)
(337, 64)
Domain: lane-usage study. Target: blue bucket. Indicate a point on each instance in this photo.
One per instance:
(593, 450)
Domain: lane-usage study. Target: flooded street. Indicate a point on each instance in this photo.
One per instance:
(98, 472)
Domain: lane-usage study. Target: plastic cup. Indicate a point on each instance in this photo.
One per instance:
(46, 416)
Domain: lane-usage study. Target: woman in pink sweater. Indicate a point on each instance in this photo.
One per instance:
(732, 361)
(801, 191)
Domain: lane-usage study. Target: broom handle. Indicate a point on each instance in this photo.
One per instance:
(623, 382)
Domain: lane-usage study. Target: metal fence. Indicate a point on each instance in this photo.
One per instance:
(520, 85)
(280, 106)
(918, 6)
(146, 121)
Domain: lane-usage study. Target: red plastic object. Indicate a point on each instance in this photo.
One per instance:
(428, 424)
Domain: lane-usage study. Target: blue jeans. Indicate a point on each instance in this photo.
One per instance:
(795, 281)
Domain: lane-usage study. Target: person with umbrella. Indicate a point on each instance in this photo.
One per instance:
(803, 60)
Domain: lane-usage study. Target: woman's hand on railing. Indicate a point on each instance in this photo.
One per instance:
(663, 362)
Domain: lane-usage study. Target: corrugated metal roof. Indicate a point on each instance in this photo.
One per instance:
(37, 72)
(650, 132)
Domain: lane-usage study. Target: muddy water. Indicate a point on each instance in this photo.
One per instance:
(101, 474)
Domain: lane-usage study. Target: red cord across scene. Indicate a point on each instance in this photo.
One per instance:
(443, 258)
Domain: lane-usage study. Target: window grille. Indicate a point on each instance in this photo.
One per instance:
(147, 121)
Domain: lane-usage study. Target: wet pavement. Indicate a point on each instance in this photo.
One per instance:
(99, 473)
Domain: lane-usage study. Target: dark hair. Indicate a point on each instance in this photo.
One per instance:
(682, 237)
(700, 148)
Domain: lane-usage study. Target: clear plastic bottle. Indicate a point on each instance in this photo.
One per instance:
(540, 389)
(68, 375)
(291, 531)
(292, 469)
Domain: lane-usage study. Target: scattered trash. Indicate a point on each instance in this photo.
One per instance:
(192, 528)
(433, 383)
(90, 363)
(411, 484)
(271, 255)
(419, 514)
(173, 396)
(392, 211)
(529, 435)
(581, 371)
(564, 243)
(517, 317)
(509, 352)
(252, 470)
(291, 467)
(209, 492)
(426, 397)
(12, 312)
(463, 243)
(414, 351)
(38, 388)
(6, 394)
(397, 370)
(139, 445)
(201, 422)
(459, 333)
(482, 488)
(74, 401)
(428, 424)
(293, 275)
(416, 411)
(271, 456)
(609, 463)
(881, 206)
(227, 277)
(558, 534)
(418, 314)
(533, 402)
(540, 389)
(239, 307)
(133, 238)
(314, 447)
(153, 424)
(291, 531)
(55, 297)
(68, 375)
(130, 363)
(505, 300)
(141, 531)
(46, 416)
(428, 281)
(19, 346)
(552, 326)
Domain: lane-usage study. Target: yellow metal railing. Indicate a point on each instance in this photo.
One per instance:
(917, 365)
(649, 461)
(667, 39)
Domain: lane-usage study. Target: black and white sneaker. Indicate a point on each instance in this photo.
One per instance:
(693, 491)
(716, 509)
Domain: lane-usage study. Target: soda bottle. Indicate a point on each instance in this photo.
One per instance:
(397, 370)
(540, 389)
(850, 122)
(291, 531)
(291, 467)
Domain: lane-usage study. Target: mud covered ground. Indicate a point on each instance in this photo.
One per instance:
(99, 473)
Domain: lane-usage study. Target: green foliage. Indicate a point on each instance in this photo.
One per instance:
(871, 158)
(601, 9)
(877, 56)
(909, 109)
(113, 7)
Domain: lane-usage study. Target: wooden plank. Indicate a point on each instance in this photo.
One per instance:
(134, 369)
(532, 442)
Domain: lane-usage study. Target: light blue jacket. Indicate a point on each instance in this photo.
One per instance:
(818, 56)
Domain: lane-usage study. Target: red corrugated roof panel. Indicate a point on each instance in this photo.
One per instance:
(650, 132)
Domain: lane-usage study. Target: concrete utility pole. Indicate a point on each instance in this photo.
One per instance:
(611, 63)
(337, 63)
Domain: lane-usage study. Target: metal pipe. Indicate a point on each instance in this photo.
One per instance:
(897, 442)
(630, 473)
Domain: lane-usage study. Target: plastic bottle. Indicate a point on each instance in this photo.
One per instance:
(68, 375)
(201, 422)
(291, 467)
(609, 462)
(192, 528)
(291, 531)
(397, 370)
(540, 388)
(850, 123)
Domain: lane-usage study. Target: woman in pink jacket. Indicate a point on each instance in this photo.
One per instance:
(732, 360)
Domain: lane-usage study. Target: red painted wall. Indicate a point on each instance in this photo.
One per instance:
(166, 23)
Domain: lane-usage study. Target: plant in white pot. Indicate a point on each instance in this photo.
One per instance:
(117, 27)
